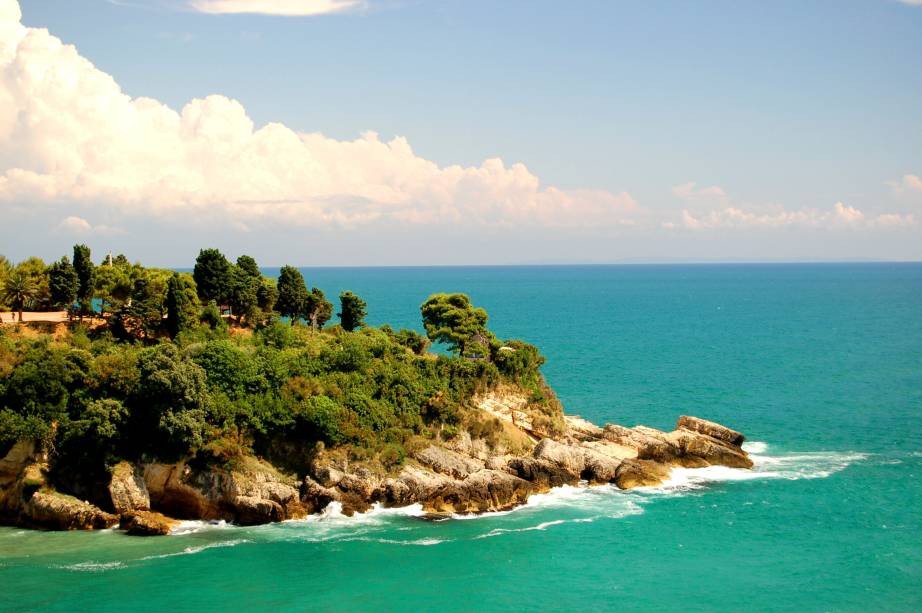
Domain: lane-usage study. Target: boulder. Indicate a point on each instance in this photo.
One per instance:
(711, 429)
(146, 523)
(637, 473)
(598, 468)
(252, 510)
(54, 511)
(570, 459)
(127, 489)
(543, 474)
(702, 450)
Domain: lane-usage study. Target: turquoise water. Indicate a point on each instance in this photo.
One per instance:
(820, 365)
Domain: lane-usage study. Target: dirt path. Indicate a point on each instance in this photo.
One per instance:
(27, 316)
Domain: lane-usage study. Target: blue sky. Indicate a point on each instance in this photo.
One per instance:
(799, 123)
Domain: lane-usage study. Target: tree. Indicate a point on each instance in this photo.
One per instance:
(352, 311)
(292, 293)
(266, 295)
(212, 275)
(6, 268)
(248, 265)
(242, 295)
(18, 291)
(451, 319)
(181, 305)
(318, 310)
(86, 278)
(62, 283)
(37, 273)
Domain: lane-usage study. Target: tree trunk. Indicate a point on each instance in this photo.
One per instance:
(20, 314)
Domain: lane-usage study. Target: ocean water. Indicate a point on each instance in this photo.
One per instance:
(819, 365)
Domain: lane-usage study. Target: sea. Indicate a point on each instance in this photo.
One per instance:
(820, 365)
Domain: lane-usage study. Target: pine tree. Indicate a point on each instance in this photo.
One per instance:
(352, 311)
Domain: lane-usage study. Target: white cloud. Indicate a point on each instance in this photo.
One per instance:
(690, 192)
(848, 214)
(840, 215)
(75, 225)
(78, 225)
(299, 8)
(69, 135)
(893, 219)
(911, 2)
(908, 184)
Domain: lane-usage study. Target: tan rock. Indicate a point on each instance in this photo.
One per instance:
(54, 511)
(711, 429)
(448, 462)
(127, 489)
(636, 473)
(146, 523)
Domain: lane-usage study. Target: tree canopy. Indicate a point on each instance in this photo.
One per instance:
(212, 274)
(453, 320)
(352, 311)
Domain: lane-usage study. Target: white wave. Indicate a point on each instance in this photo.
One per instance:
(198, 549)
(92, 567)
(792, 466)
(193, 526)
(755, 447)
(424, 542)
(541, 526)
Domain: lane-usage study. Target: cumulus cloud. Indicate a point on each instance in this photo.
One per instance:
(68, 134)
(908, 184)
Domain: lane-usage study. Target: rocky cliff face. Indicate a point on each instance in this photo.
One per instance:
(26, 499)
(464, 475)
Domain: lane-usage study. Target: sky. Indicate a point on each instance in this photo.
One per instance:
(431, 132)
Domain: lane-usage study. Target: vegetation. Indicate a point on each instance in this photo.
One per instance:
(158, 375)
(352, 311)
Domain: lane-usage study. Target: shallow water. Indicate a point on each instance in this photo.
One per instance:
(821, 367)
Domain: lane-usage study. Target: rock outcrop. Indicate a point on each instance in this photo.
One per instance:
(463, 475)
(146, 523)
(55, 511)
(127, 489)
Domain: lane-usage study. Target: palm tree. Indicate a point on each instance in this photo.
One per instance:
(18, 290)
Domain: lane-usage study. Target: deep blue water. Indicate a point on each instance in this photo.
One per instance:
(820, 365)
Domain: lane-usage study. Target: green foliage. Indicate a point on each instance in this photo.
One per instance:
(451, 319)
(352, 311)
(212, 275)
(229, 369)
(170, 399)
(86, 277)
(18, 290)
(243, 289)
(62, 283)
(292, 293)
(317, 309)
(211, 317)
(97, 395)
(181, 304)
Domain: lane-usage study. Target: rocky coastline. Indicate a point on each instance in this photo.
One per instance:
(461, 476)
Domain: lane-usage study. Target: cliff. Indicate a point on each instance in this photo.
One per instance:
(524, 452)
